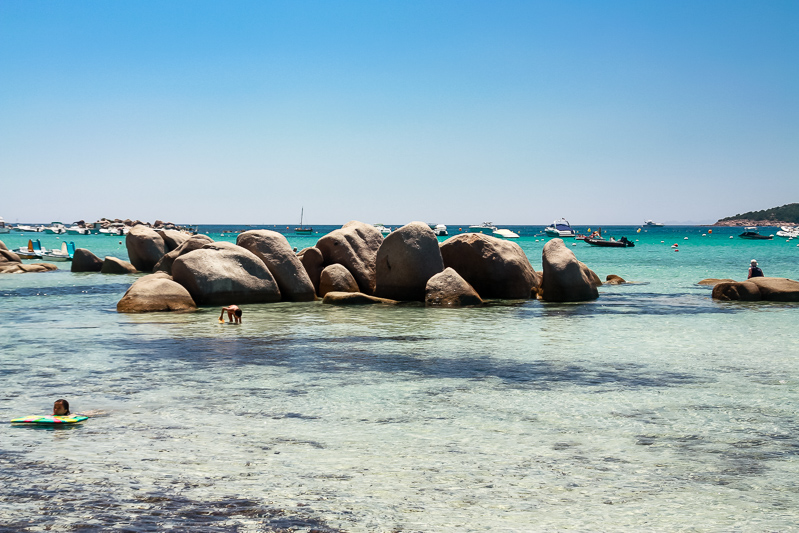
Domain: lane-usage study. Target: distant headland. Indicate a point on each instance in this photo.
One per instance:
(776, 216)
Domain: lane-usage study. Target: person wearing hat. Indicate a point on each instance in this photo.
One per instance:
(754, 270)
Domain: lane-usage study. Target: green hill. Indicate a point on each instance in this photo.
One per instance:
(785, 213)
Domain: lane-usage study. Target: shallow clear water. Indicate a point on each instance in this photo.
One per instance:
(652, 408)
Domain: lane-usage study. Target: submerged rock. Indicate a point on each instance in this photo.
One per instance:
(715, 281)
(354, 298)
(493, 267)
(406, 260)
(355, 246)
(276, 253)
(156, 292)
(565, 279)
(449, 289)
(613, 279)
(22, 268)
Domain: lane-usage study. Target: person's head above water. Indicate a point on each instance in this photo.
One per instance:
(753, 262)
(60, 407)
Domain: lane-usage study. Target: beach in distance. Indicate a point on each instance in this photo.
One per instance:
(651, 408)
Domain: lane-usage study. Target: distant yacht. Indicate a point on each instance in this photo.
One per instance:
(486, 227)
(505, 234)
(385, 230)
(3, 227)
(439, 229)
(653, 224)
(560, 228)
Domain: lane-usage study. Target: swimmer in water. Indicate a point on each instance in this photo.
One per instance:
(60, 408)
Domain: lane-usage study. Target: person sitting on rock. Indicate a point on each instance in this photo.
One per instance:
(61, 408)
(754, 270)
(233, 313)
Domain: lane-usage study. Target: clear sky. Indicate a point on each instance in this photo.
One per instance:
(603, 112)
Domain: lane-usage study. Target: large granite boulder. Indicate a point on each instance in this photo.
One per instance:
(278, 256)
(336, 278)
(112, 265)
(222, 273)
(3, 246)
(354, 298)
(85, 261)
(406, 259)
(449, 289)
(493, 267)
(155, 292)
(355, 246)
(738, 291)
(777, 289)
(195, 242)
(172, 238)
(145, 247)
(565, 279)
(313, 262)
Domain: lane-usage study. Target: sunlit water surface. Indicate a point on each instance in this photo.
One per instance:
(652, 408)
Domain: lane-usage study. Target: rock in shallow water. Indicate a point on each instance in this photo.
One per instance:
(565, 279)
(449, 289)
(222, 273)
(355, 246)
(276, 253)
(406, 260)
(156, 292)
(336, 278)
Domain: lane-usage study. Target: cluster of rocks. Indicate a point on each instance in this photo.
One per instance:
(754, 289)
(106, 223)
(351, 265)
(10, 263)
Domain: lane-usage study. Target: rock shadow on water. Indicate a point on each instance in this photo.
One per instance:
(314, 355)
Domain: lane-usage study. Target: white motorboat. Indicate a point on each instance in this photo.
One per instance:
(25, 229)
(486, 227)
(505, 234)
(560, 228)
(115, 229)
(790, 232)
(55, 227)
(385, 230)
(3, 227)
(439, 229)
(651, 224)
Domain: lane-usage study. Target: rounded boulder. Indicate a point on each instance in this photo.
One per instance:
(355, 246)
(743, 291)
(278, 256)
(156, 292)
(145, 247)
(313, 262)
(195, 242)
(406, 259)
(85, 261)
(336, 278)
(493, 267)
(565, 279)
(449, 289)
(112, 265)
(222, 273)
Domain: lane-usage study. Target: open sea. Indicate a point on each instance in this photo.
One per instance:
(653, 408)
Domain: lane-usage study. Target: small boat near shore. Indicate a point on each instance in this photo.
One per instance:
(610, 243)
(750, 232)
(32, 251)
(505, 234)
(64, 254)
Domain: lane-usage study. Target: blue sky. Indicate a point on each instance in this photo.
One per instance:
(603, 112)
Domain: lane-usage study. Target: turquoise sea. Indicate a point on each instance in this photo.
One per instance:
(653, 408)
